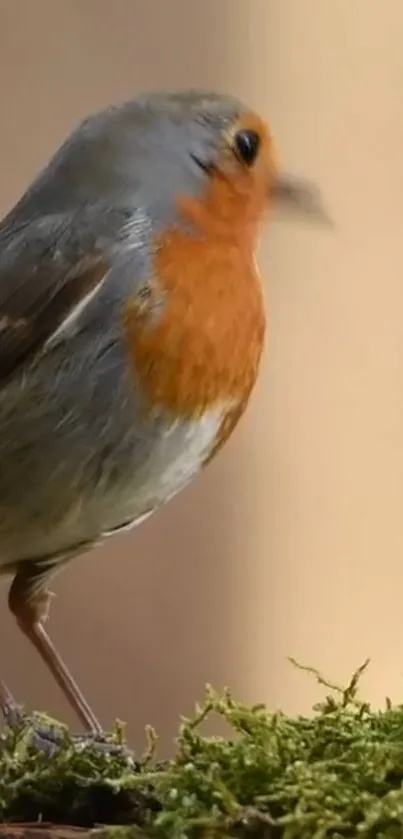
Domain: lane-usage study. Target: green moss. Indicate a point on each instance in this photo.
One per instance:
(338, 773)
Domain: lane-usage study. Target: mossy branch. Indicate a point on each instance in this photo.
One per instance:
(336, 774)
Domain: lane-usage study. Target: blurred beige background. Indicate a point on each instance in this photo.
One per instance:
(292, 542)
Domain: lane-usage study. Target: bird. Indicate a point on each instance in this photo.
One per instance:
(132, 327)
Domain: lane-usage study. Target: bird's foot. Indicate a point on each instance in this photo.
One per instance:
(36, 730)
(48, 736)
(110, 744)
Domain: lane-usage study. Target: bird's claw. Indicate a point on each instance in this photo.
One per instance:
(47, 737)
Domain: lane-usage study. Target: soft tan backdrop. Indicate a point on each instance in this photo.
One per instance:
(292, 542)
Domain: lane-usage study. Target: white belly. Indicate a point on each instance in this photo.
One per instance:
(176, 458)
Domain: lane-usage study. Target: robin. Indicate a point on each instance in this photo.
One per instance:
(132, 324)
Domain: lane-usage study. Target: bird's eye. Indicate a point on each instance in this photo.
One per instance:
(247, 145)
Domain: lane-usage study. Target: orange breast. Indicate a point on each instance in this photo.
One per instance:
(206, 347)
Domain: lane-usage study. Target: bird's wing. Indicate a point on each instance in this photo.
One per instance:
(49, 269)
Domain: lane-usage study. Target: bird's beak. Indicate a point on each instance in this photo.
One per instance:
(300, 197)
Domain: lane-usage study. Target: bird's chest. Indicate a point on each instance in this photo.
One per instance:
(205, 348)
(196, 364)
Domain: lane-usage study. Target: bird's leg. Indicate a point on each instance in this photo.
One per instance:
(29, 602)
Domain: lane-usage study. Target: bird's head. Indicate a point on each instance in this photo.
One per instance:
(201, 155)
